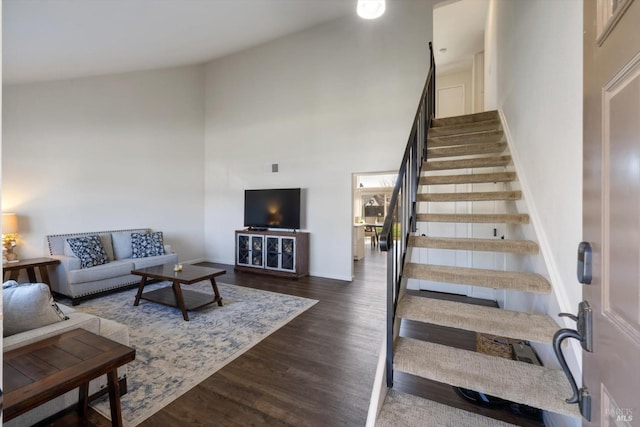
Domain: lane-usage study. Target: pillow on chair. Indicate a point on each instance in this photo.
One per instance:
(28, 306)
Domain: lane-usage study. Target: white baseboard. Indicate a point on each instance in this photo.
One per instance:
(379, 389)
(543, 241)
(572, 352)
(311, 273)
(331, 276)
(195, 261)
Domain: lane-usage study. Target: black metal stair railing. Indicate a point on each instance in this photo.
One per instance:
(401, 218)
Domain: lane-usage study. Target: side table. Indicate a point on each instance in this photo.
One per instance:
(40, 371)
(13, 268)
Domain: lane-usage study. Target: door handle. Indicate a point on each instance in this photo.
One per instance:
(584, 334)
(584, 263)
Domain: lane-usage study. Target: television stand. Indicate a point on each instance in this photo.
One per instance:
(257, 228)
(277, 253)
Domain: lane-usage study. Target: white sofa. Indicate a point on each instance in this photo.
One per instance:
(78, 283)
(104, 327)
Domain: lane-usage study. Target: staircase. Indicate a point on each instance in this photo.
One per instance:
(456, 145)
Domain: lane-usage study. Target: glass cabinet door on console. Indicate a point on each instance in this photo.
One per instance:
(244, 249)
(273, 252)
(288, 261)
(257, 249)
(281, 253)
(250, 250)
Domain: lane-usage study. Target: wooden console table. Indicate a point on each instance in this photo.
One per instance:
(13, 268)
(274, 252)
(43, 370)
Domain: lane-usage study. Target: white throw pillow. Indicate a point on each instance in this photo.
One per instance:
(28, 306)
(121, 244)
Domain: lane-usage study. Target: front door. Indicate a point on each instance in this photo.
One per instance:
(611, 208)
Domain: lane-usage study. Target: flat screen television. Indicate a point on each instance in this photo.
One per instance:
(272, 208)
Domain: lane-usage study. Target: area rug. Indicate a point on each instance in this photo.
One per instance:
(172, 355)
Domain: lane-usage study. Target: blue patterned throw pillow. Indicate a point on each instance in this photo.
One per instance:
(89, 249)
(147, 244)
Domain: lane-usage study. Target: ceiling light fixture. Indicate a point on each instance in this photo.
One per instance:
(370, 9)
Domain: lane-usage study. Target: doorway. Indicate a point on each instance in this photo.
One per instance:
(371, 196)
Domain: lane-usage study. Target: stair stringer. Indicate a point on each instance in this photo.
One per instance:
(542, 263)
(379, 389)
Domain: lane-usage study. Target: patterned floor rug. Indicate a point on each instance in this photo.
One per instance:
(173, 356)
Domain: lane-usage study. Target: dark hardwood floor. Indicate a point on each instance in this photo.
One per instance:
(318, 369)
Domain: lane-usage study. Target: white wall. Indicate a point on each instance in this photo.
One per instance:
(477, 73)
(533, 75)
(494, 21)
(540, 96)
(323, 103)
(102, 153)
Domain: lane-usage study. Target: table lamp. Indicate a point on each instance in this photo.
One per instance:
(9, 237)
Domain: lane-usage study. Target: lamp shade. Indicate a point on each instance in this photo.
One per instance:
(370, 9)
(9, 223)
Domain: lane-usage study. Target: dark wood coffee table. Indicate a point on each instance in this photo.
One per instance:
(175, 296)
(43, 370)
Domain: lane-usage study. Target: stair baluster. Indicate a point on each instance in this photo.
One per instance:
(401, 219)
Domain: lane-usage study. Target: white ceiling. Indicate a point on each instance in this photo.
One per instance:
(61, 39)
(458, 26)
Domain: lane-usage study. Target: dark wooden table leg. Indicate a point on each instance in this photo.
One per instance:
(114, 398)
(83, 400)
(44, 275)
(177, 291)
(32, 275)
(215, 291)
(140, 289)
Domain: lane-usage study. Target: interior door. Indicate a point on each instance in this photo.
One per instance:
(611, 208)
(450, 101)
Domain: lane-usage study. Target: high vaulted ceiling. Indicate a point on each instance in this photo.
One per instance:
(61, 39)
(58, 39)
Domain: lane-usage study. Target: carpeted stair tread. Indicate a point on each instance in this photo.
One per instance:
(401, 409)
(465, 139)
(479, 162)
(469, 197)
(467, 150)
(482, 126)
(519, 382)
(471, 178)
(466, 118)
(472, 244)
(475, 218)
(478, 318)
(514, 280)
